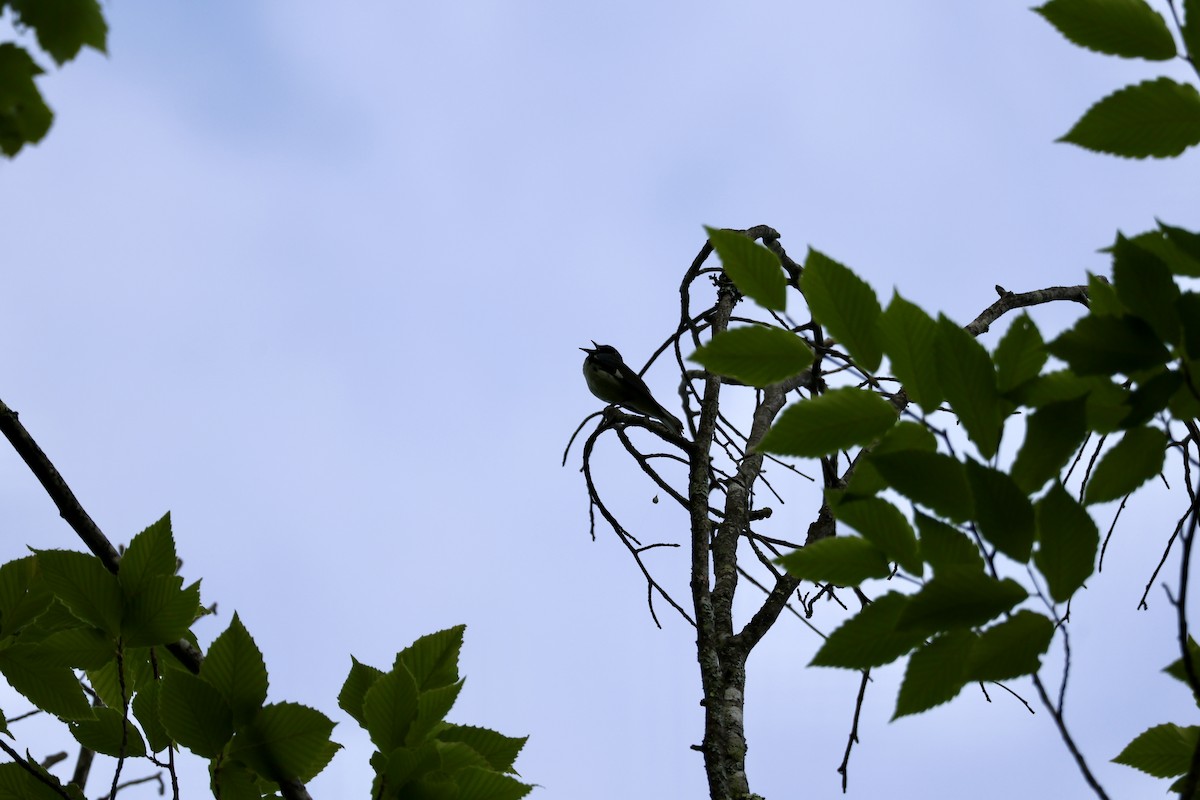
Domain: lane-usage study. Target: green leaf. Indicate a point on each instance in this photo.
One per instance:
(1191, 28)
(846, 305)
(1159, 118)
(1102, 345)
(286, 741)
(908, 337)
(82, 648)
(1183, 255)
(1189, 315)
(959, 598)
(475, 783)
(24, 116)
(498, 750)
(1053, 434)
(1102, 297)
(936, 673)
(160, 612)
(1127, 28)
(1020, 355)
(64, 26)
(145, 710)
(433, 659)
(1135, 459)
(361, 678)
(1011, 648)
(234, 666)
(1176, 668)
(1146, 288)
(1151, 397)
(150, 554)
(104, 734)
(389, 707)
(19, 782)
(82, 583)
(754, 269)
(870, 638)
(432, 707)
(1067, 543)
(946, 548)
(904, 435)
(969, 381)
(1163, 751)
(1004, 513)
(933, 480)
(55, 690)
(882, 524)
(838, 419)
(757, 356)
(23, 594)
(841, 560)
(194, 713)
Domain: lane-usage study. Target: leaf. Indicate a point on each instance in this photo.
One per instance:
(55, 690)
(1151, 397)
(474, 782)
(23, 594)
(936, 673)
(1178, 671)
(286, 741)
(933, 480)
(1189, 315)
(1004, 513)
(81, 648)
(432, 707)
(1135, 459)
(64, 26)
(882, 524)
(969, 381)
(840, 560)
(433, 659)
(1183, 256)
(960, 598)
(1191, 28)
(150, 554)
(194, 713)
(361, 678)
(908, 338)
(1163, 751)
(1067, 543)
(1102, 297)
(757, 355)
(946, 548)
(24, 116)
(1052, 435)
(1127, 28)
(160, 612)
(1146, 288)
(1011, 648)
(846, 306)
(870, 638)
(838, 419)
(389, 707)
(234, 666)
(82, 583)
(145, 710)
(498, 750)
(754, 269)
(1159, 118)
(1103, 345)
(1020, 355)
(105, 733)
(904, 435)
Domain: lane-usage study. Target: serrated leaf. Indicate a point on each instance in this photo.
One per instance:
(870, 638)
(63, 27)
(145, 710)
(904, 435)
(23, 594)
(1003, 512)
(498, 750)
(1151, 397)
(1178, 671)
(24, 116)
(946, 548)
(846, 306)
(33, 782)
(833, 421)
(757, 355)
(754, 269)
(234, 666)
(1163, 751)
(83, 585)
(959, 598)
(194, 713)
(882, 524)
(433, 659)
(841, 560)
(81, 648)
(1104, 345)
(1146, 288)
(150, 554)
(1067, 543)
(475, 783)
(1053, 434)
(1102, 297)
(909, 335)
(160, 612)
(55, 690)
(109, 733)
(432, 707)
(1020, 355)
(389, 707)
(361, 678)
(933, 480)
(1011, 648)
(1183, 256)
(1191, 28)
(968, 379)
(1127, 28)
(1158, 118)
(936, 673)
(285, 741)
(1135, 459)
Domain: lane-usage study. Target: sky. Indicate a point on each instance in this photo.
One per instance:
(314, 278)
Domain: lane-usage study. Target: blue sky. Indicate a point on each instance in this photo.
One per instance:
(314, 278)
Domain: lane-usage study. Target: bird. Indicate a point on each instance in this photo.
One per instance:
(610, 379)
